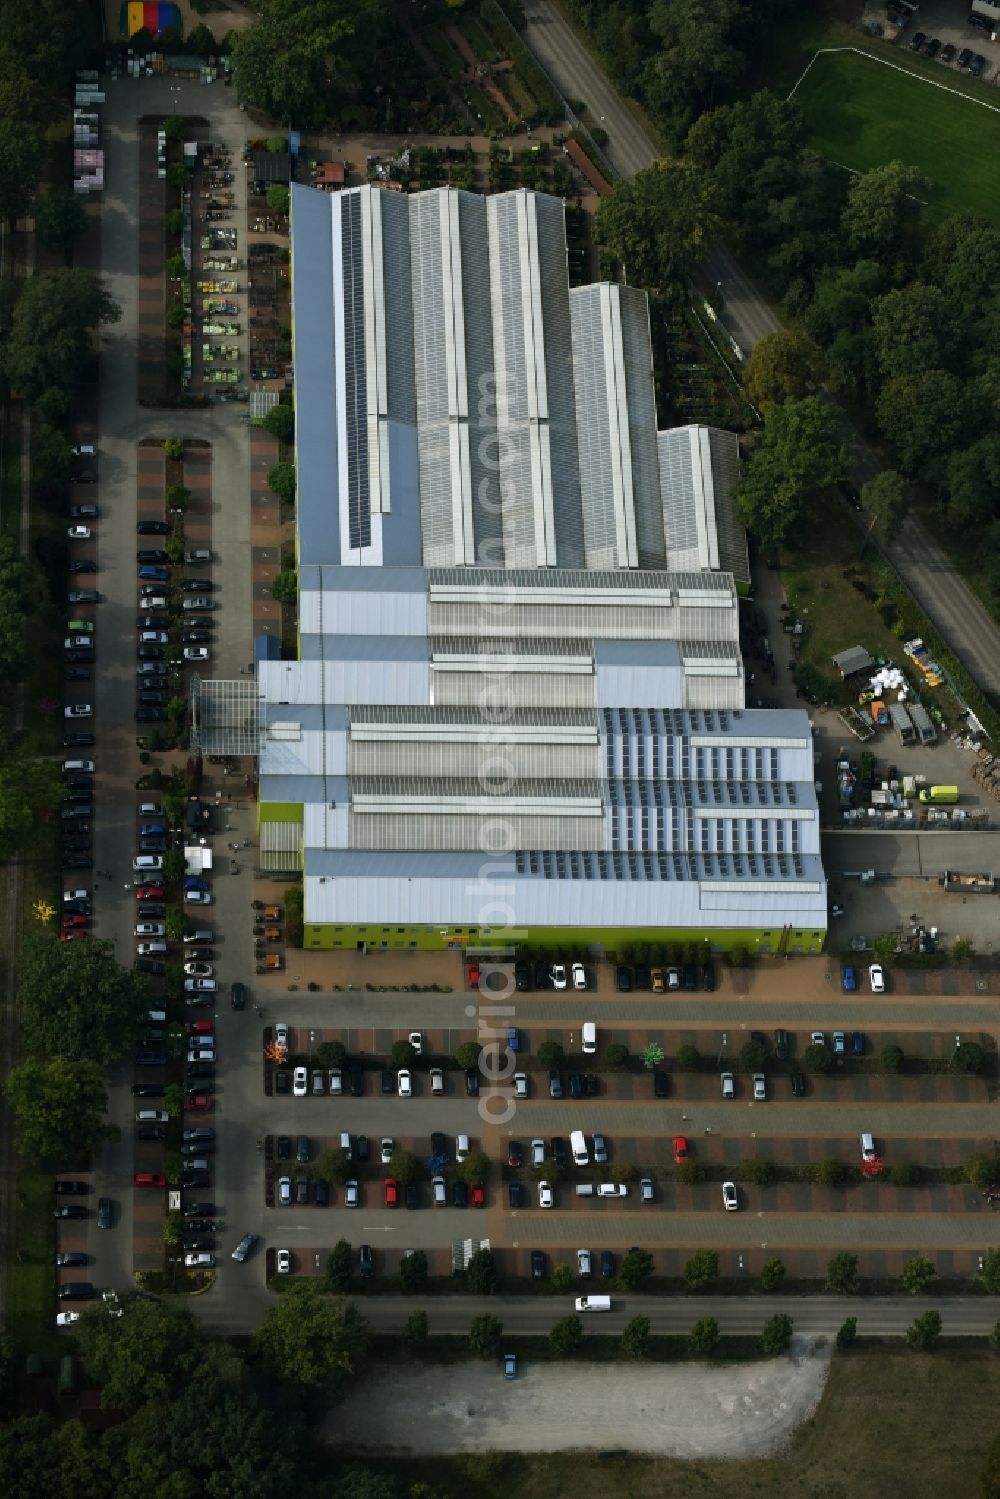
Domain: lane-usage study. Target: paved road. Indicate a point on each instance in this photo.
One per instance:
(934, 580)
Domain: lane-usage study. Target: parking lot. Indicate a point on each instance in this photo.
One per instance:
(948, 22)
(934, 1120)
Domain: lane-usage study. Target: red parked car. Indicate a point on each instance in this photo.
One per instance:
(70, 919)
(70, 934)
(200, 1027)
(149, 1179)
(473, 975)
(200, 1101)
(391, 1192)
(478, 1195)
(150, 892)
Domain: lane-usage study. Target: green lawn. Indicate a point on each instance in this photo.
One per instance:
(862, 114)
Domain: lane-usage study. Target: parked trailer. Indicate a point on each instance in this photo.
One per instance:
(902, 723)
(922, 722)
(968, 884)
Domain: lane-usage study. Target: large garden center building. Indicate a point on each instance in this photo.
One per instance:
(518, 709)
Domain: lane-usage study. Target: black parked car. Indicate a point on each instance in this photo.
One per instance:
(411, 1195)
(607, 1264)
(798, 1085)
(301, 1190)
(104, 1212)
(591, 1085)
(558, 1145)
(459, 1194)
(522, 976)
(280, 1081)
(661, 1086)
(321, 1193)
(147, 1090)
(643, 977)
(238, 996)
(355, 1081)
(71, 1188)
(282, 1148)
(623, 979)
(388, 1081)
(538, 1264)
(708, 978)
(515, 1154)
(472, 1082)
(516, 1195)
(782, 1046)
(198, 1241)
(361, 1148)
(366, 1263)
(541, 975)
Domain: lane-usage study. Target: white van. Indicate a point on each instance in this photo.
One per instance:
(157, 1017)
(152, 1116)
(589, 1038)
(440, 1191)
(593, 1303)
(612, 1189)
(437, 1080)
(578, 1145)
(150, 809)
(85, 767)
(584, 1189)
(345, 1145)
(867, 1147)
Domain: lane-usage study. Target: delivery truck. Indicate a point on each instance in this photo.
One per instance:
(939, 794)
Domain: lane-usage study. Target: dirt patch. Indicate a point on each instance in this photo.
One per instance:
(688, 1410)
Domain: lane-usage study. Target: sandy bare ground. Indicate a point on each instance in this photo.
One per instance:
(686, 1410)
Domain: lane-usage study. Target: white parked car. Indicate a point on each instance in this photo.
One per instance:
(199, 970)
(150, 929)
(197, 897)
(283, 1262)
(66, 1319)
(876, 977)
(78, 710)
(817, 1038)
(388, 1146)
(759, 1087)
(404, 1085)
(461, 1148)
(300, 1082)
(196, 653)
(76, 895)
(558, 976)
(437, 1079)
(281, 1035)
(538, 1152)
(350, 1194)
(79, 533)
(201, 986)
(729, 1198)
(284, 1191)
(728, 1085)
(336, 1080)
(200, 1261)
(579, 976)
(520, 1085)
(416, 1040)
(544, 1195)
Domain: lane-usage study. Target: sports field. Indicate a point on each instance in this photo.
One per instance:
(862, 113)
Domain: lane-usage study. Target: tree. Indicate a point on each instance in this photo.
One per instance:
(59, 218)
(562, 1278)
(59, 1107)
(285, 588)
(281, 479)
(334, 1166)
(481, 1273)
(174, 222)
(49, 344)
(783, 366)
(772, 1275)
(704, 1336)
(340, 1266)
(201, 42)
(776, 1335)
(416, 1331)
(76, 1001)
(173, 1228)
(280, 422)
(914, 330)
(888, 499)
(17, 592)
(800, 454)
(485, 1334)
(467, 1054)
(753, 1056)
(146, 1354)
(881, 203)
(413, 1271)
(847, 1333)
(657, 224)
(832, 1173)
(176, 496)
(690, 1172)
(176, 924)
(312, 1340)
(142, 42)
(842, 1273)
(758, 1170)
(818, 1058)
(21, 153)
(989, 1473)
(701, 1269)
(403, 1053)
(839, 319)
(968, 1056)
(688, 1058)
(303, 64)
(924, 1332)
(27, 785)
(918, 1274)
(891, 1058)
(550, 1054)
(652, 1055)
(750, 153)
(636, 1268)
(173, 1100)
(989, 1273)
(278, 199)
(173, 449)
(174, 865)
(475, 1167)
(566, 1336)
(926, 417)
(694, 56)
(904, 1174)
(961, 949)
(331, 1054)
(635, 1338)
(981, 1170)
(358, 1482)
(178, 175)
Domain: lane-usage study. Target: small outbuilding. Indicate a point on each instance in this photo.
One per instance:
(271, 169)
(853, 660)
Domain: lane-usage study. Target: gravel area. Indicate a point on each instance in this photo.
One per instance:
(686, 1410)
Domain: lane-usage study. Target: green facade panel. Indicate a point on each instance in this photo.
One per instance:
(375, 939)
